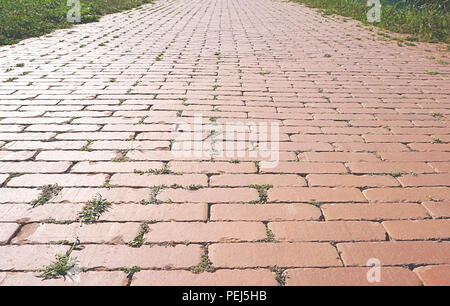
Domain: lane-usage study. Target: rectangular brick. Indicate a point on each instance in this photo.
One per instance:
(250, 255)
(34, 167)
(418, 229)
(272, 212)
(65, 180)
(407, 194)
(206, 232)
(395, 252)
(344, 180)
(161, 212)
(350, 276)
(247, 277)
(388, 167)
(237, 180)
(146, 257)
(306, 168)
(111, 233)
(381, 211)
(327, 231)
(114, 167)
(425, 180)
(317, 194)
(210, 195)
(212, 167)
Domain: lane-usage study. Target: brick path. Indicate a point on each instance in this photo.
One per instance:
(363, 166)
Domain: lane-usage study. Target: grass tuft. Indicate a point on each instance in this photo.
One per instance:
(93, 210)
(48, 192)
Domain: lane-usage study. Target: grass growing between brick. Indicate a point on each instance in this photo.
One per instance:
(65, 265)
(48, 192)
(427, 20)
(93, 210)
(20, 19)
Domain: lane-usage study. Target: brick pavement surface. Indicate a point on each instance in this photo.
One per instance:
(363, 167)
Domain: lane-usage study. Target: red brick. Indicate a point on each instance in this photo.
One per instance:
(425, 180)
(115, 167)
(3, 178)
(306, 168)
(18, 195)
(370, 147)
(379, 211)
(7, 230)
(25, 213)
(96, 136)
(443, 167)
(146, 180)
(247, 277)
(272, 212)
(388, 167)
(90, 278)
(338, 157)
(210, 195)
(350, 276)
(15, 155)
(434, 275)
(18, 257)
(113, 195)
(35, 180)
(237, 180)
(299, 254)
(327, 231)
(112, 233)
(146, 257)
(76, 155)
(212, 167)
(407, 194)
(318, 194)
(344, 180)
(45, 145)
(161, 212)
(415, 156)
(206, 232)
(34, 167)
(418, 229)
(395, 252)
(438, 209)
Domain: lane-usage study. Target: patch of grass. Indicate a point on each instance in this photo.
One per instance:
(48, 192)
(432, 72)
(280, 275)
(327, 55)
(93, 210)
(131, 271)
(20, 19)
(153, 195)
(432, 199)
(86, 146)
(164, 170)
(138, 241)
(65, 265)
(262, 192)
(437, 140)
(396, 174)
(425, 20)
(437, 115)
(121, 156)
(194, 187)
(205, 265)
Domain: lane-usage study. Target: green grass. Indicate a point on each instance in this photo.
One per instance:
(427, 20)
(20, 19)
